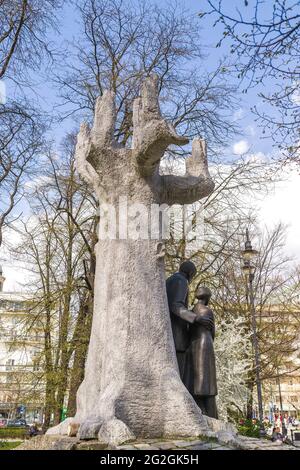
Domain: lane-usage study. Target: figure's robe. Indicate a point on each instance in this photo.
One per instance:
(200, 371)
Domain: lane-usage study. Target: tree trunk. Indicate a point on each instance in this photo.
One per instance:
(83, 328)
(81, 339)
(132, 386)
(250, 386)
(131, 350)
(49, 370)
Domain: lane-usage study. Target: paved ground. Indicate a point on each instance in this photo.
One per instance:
(154, 444)
(72, 443)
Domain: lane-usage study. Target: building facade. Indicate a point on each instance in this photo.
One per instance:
(21, 345)
(282, 391)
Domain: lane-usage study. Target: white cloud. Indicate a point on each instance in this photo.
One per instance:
(241, 147)
(13, 271)
(2, 92)
(258, 157)
(172, 166)
(281, 206)
(250, 130)
(16, 271)
(238, 114)
(295, 97)
(37, 182)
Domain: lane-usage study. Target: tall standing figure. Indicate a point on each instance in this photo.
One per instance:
(181, 317)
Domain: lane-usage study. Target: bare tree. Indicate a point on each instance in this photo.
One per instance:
(21, 141)
(224, 214)
(266, 42)
(273, 277)
(121, 43)
(59, 249)
(23, 35)
(23, 46)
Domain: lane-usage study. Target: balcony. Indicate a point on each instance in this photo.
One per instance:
(11, 336)
(20, 368)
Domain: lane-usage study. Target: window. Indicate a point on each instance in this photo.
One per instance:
(18, 306)
(3, 305)
(36, 366)
(10, 364)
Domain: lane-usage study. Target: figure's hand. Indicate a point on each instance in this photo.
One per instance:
(206, 322)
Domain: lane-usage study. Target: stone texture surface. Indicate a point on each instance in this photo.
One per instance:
(49, 442)
(115, 431)
(131, 370)
(69, 443)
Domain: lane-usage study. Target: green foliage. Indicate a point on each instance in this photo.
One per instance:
(248, 427)
(11, 433)
(4, 445)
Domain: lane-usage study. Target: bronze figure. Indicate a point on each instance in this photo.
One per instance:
(200, 370)
(177, 287)
(177, 291)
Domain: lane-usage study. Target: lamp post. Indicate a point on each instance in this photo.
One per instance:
(283, 428)
(248, 268)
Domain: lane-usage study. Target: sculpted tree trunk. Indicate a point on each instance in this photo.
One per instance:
(132, 386)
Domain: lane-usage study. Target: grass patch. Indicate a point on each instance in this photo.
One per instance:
(6, 445)
(13, 433)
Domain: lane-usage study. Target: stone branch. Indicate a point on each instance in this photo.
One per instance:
(192, 187)
(84, 147)
(92, 144)
(102, 133)
(152, 134)
(151, 137)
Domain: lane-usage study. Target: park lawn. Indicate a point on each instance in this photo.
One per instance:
(9, 445)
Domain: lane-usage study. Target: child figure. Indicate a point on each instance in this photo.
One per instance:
(200, 374)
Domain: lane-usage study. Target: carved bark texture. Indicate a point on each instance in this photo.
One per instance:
(132, 386)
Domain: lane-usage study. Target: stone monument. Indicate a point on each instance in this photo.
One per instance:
(132, 387)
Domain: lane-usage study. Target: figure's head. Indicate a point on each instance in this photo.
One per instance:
(203, 293)
(188, 269)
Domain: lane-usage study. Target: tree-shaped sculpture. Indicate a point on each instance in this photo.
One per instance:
(132, 386)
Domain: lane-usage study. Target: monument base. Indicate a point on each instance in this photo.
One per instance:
(224, 442)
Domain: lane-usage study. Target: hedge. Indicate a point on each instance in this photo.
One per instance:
(6, 433)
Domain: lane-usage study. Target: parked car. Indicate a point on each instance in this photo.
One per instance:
(16, 423)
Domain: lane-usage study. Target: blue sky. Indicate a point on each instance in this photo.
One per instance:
(47, 95)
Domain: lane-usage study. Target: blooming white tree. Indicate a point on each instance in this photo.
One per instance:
(233, 362)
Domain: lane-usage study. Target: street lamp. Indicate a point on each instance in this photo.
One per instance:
(248, 268)
(283, 428)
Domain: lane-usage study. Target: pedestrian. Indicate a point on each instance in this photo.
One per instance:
(277, 437)
(33, 430)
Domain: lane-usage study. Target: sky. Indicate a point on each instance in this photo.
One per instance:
(279, 205)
